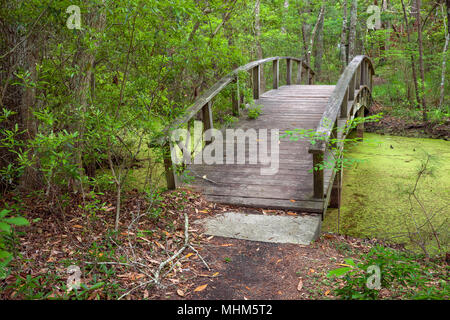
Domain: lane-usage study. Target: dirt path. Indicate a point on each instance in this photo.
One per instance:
(241, 269)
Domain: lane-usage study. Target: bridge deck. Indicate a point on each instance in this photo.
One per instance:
(289, 107)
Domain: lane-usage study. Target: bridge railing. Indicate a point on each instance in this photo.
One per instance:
(203, 104)
(351, 94)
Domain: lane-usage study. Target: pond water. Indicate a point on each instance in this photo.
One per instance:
(376, 192)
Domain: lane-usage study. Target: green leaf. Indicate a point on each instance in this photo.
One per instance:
(4, 254)
(339, 272)
(5, 227)
(4, 212)
(18, 221)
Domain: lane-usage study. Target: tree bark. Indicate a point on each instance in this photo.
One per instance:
(318, 51)
(352, 30)
(421, 67)
(259, 52)
(444, 58)
(343, 43)
(413, 63)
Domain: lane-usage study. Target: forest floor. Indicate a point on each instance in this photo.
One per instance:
(407, 127)
(121, 265)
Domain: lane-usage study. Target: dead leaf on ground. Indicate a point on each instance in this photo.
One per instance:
(200, 288)
(180, 293)
(300, 284)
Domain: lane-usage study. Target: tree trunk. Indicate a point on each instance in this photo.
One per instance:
(352, 31)
(343, 44)
(444, 58)
(421, 67)
(413, 63)
(259, 52)
(313, 35)
(84, 59)
(319, 47)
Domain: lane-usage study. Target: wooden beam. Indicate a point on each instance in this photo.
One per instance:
(336, 191)
(207, 120)
(276, 74)
(299, 72)
(256, 74)
(169, 168)
(288, 71)
(235, 96)
(317, 176)
(344, 106)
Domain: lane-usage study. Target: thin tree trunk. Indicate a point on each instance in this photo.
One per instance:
(413, 63)
(352, 30)
(285, 11)
(259, 52)
(444, 57)
(313, 35)
(319, 47)
(343, 44)
(421, 67)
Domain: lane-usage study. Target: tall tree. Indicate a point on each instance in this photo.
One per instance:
(259, 52)
(444, 55)
(412, 59)
(352, 30)
(344, 32)
(421, 67)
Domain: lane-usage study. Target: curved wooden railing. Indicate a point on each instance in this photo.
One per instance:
(203, 103)
(351, 94)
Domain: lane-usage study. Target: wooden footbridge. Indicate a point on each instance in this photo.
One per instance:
(299, 104)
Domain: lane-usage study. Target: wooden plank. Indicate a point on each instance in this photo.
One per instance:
(299, 205)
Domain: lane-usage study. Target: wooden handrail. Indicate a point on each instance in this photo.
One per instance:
(357, 76)
(204, 102)
(205, 99)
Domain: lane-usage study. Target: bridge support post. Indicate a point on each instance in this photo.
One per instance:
(276, 73)
(317, 175)
(299, 72)
(169, 168)
(207, 121)
(336, 190)
(288, 71)
(351, 89)
(256, 82)
(236, 98)
(360, 126)
(363, 73)
(344, 106)
(358, 78)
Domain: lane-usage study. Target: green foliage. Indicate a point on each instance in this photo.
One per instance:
(254, 112)
(7, 224)
(401, 274)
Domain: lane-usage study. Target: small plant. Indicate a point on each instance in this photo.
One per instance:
(6, 236)
(400, 273)
(254, 112)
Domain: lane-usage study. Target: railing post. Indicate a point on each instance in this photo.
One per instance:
(336, 190)
(299, 72)
(363, 73)
(311, 78)
(276, 73)
(344, 106)
(288, 71)
(358, 78)
(360, 126)
(318, 175)
(351, 89)
(169, 167)
(207, 121)
(235, 96)
(256, 82)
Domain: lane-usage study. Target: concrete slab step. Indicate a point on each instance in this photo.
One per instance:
(277, 229)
